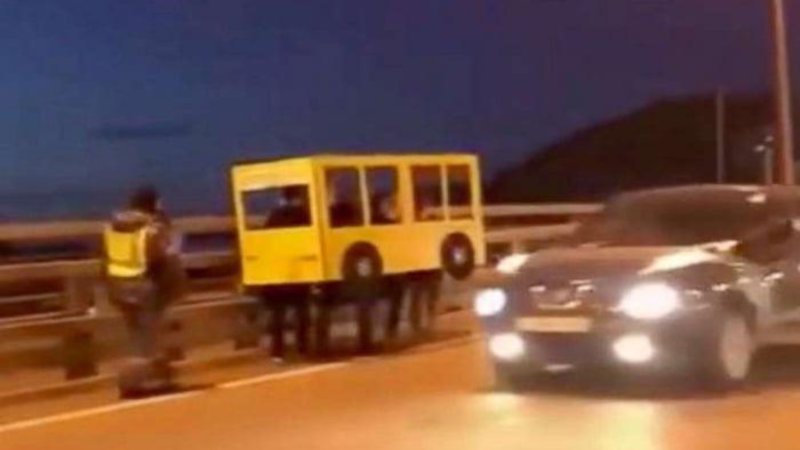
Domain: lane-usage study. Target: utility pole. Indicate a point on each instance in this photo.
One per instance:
(784, 156)
(720, 108)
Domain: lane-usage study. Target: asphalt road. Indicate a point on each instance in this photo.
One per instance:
(436, 397)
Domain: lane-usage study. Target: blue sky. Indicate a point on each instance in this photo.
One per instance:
(99, 93)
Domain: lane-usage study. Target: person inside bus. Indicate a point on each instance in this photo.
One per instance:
(425, 206)
(385, 210)
(342, 213)
(293, 210)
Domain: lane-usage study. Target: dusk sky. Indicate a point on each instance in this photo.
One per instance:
(105, 93)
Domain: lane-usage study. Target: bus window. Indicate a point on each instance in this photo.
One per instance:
(459, 192)
(344, 198)
(427, 182)
(278, 207)
(382, 187)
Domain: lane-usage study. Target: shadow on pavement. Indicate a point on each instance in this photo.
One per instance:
(773, 368)
(346, 348)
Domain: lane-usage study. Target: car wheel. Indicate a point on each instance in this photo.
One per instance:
(458, 256)
(726, 354)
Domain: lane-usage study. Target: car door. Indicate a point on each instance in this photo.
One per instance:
(783, 275)
(773, 244)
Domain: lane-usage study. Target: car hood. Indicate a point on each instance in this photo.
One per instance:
(592, 263)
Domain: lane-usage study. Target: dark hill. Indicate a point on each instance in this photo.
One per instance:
(665, 143)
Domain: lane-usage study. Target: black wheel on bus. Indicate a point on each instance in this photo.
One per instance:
(362, 273)
(458, 256)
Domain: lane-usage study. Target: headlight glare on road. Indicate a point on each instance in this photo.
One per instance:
(490, 302)
(507, 346)
(650, 301)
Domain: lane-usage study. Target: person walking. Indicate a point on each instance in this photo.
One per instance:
(142, 266)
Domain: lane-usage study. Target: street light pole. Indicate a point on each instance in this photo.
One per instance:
(769, 158)
(783, 97)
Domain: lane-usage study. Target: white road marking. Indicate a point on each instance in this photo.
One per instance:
(93, 412)
(131, 404)
(282, 375)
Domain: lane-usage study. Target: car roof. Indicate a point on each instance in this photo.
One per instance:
(710, 191)
(702, 196)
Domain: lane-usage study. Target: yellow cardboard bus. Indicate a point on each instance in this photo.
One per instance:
(357, 221)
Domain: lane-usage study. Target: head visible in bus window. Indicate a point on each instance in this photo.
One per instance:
(388, 209)
(294, 196)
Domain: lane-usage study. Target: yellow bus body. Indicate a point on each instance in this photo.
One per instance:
(313, 253)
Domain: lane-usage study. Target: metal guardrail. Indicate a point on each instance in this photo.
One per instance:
(26, 232)
(15, 232)
(84, 316)
(78, 278)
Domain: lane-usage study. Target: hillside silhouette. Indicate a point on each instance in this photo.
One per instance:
(665, 143)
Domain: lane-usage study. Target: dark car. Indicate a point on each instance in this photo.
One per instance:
(693, 278)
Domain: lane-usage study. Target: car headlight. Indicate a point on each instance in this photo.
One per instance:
(490, 302)
(512, 263)
(650, 301)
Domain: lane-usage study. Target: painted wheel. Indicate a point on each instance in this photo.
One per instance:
(362, 270)
(458, 256)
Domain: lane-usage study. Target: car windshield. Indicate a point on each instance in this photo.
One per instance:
(678, 219)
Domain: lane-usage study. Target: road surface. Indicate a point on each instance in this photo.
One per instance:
(435, 397)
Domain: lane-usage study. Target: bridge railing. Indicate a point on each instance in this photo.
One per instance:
(60, 298)
(53, 268)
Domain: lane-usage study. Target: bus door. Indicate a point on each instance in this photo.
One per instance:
(276, 220)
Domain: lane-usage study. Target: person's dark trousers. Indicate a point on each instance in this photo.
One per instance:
(277, 308)
(280, 301)
(395, 294)
(149, 371)
(143, 313)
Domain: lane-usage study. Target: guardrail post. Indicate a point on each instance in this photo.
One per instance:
(78, 353)
(102, 300)
(173, 340)
(79, 294)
